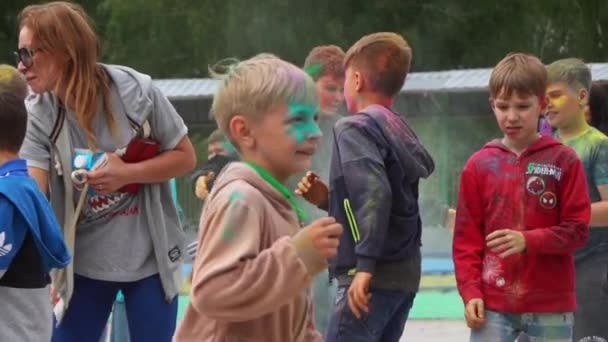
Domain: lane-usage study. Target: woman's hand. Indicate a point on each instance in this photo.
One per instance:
(111, 177)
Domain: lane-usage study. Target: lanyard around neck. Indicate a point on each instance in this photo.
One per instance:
(282, 189)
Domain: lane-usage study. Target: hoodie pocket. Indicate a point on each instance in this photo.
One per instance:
(403, 235)
(338, 208)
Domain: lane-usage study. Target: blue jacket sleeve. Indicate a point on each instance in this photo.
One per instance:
(369, 191)
(11, 238)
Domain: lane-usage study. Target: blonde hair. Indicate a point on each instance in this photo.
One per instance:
(64, 30)
(383, 58)
(520, 73)
(13, 115)
(253, 87)
(573, 71)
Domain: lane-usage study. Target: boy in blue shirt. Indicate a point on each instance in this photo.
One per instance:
(31, 243)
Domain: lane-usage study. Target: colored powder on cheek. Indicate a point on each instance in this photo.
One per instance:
(229, 147)
(558, 102)
(305, 127)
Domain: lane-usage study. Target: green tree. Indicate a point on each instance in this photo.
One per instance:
(181, 38)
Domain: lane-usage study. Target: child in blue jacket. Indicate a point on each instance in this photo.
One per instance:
(31, 243)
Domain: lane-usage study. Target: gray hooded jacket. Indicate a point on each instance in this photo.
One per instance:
(143, 104)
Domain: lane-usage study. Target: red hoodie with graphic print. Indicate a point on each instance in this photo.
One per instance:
(542, 193)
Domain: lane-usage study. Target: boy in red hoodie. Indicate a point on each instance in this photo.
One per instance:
(523, 209)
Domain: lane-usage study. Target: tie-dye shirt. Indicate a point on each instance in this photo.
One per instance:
(592, 148)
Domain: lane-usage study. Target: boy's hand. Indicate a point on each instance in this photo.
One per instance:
(325, 236)
(450, 219)
(200, 189)
(506, 242)
(313, 190)
(358, 293)
(474, 313)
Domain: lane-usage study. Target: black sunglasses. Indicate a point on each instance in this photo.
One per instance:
(25, 56)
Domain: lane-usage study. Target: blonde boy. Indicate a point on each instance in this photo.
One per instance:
(255, 265)
(569, 84)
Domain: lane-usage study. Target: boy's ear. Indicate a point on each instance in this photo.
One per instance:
(492, 105)
(583, 96)
(359, 81)
(240, 130)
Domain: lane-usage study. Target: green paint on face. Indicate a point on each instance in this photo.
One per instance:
(302, 122)
(229, 147)
(314, 70)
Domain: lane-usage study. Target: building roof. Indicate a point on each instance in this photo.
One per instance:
(418, 82)
(188, 88)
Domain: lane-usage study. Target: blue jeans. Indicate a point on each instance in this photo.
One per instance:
(388, 312)
(501, 327)
(150, 316)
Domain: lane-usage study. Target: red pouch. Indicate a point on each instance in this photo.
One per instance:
(138, 150)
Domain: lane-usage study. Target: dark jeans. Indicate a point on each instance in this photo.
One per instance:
(151, 317)
(388, 312)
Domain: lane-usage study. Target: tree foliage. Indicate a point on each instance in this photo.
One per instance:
(181, 38)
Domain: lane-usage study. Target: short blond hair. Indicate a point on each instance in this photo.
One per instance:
(520, 73)
(13, 115)
(384, 60)
(253, 87)
(573, 71)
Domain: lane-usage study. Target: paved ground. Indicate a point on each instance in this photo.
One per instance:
(436, 331)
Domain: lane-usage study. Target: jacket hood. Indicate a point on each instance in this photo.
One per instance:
(540, 144)
(391, 127)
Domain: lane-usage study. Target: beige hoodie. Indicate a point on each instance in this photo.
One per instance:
(253, 270)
